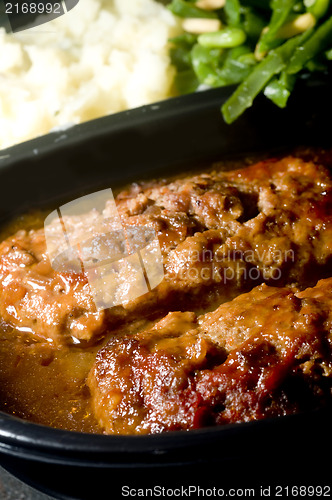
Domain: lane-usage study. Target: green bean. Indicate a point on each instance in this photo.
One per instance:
(253, 24)
(246, 92)
(232, 11)
(316, 65)
(328, 55)
(205, 62)
(278, 90)
(317, 7)
(319, 41)
(280, 12)
(182, 8)
(180, 51)
(244, 95)
(180, 58)
(217, 68)
(186, 40)
(248, 59)
(237, 65)
(224, 38)
(186, 82)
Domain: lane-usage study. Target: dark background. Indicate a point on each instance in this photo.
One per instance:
(13, 489)
(299, 468)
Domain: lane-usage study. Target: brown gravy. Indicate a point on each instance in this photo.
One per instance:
(39, 382)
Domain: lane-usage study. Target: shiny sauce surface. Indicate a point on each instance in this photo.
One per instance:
(38, 381)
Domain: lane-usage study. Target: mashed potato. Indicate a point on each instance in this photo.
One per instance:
(101, 57)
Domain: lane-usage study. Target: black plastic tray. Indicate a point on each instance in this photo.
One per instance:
(147, 142)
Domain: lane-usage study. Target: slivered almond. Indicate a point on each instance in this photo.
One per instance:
(297, 26)
(210, 4)
(197, 26)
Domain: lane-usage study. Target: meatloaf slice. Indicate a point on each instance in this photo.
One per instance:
(266, 353)
(221, 233)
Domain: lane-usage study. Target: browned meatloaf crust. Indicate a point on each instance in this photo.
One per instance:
(221, 233)
(266, 353)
